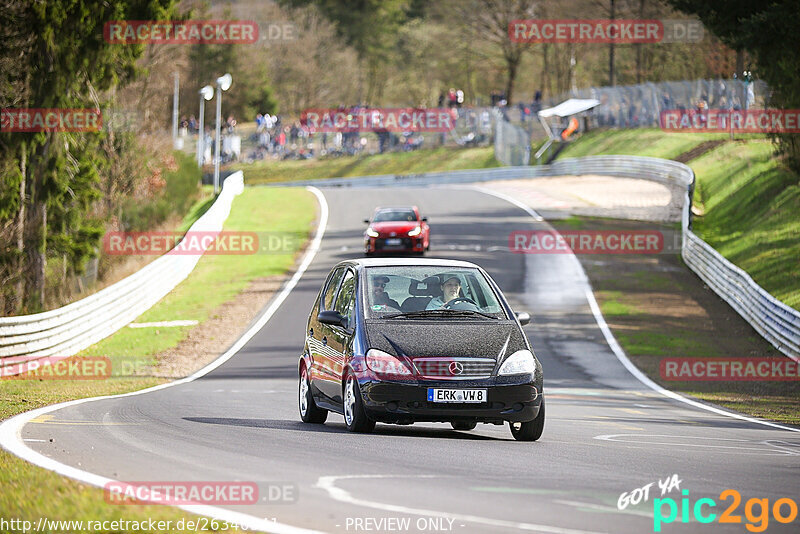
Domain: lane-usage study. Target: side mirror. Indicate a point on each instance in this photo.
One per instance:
(366, 221)
(332, 317)
(424, 219)
(523, 317)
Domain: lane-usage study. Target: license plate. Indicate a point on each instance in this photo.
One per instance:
(456, 395)
(395, 241)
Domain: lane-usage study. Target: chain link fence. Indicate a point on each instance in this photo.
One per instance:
(640, 106)
(512, 144)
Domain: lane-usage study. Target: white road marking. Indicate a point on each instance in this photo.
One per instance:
(773, 451)
(602, 508)
(623, 358)
(617, 349)
(36, 440)
(11, 429)
(328, 483)
(510, 199)
(165, 324)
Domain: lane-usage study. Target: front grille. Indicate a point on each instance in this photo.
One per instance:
(448, 368)
(380, 243)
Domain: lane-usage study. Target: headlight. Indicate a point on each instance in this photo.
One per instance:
(372, 233)
(415, 231)
(518, 363)
(383, 363)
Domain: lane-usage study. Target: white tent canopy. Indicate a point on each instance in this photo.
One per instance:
(569, 107)
(572, 106)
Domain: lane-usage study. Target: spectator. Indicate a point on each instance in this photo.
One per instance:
(230, 124)
(537, 102)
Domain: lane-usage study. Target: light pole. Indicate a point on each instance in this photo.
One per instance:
(175, 112)
(223, 84)
(206, 93)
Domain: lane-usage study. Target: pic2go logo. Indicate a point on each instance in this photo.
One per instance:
(758, 521)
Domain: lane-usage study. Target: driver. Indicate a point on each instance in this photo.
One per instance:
(379, 295)
(451, 289)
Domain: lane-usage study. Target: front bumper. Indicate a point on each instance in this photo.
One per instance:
(508, 399)
(407, 244)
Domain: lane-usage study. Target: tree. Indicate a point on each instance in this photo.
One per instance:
(371, 27)
(768, 30)
(487, 20)
(61, 62)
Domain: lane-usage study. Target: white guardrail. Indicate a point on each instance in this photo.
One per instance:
(775, 321)
(68, 330)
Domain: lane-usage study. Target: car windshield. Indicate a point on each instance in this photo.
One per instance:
(429, 291)
(395, 215)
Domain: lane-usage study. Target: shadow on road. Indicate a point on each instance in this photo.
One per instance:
(339, 428)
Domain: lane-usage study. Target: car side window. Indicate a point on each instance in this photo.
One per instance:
(346, 299)
(330, 289)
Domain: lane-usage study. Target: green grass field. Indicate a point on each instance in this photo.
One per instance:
(218, 278)
(642, 142)
(750, 204)
(747, 204)
(29, 492)
(747, 201)
(439, 159)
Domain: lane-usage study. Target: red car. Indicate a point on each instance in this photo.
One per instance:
(396, 230)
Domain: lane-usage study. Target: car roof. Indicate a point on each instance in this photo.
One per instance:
(406, 262)
(400, 208)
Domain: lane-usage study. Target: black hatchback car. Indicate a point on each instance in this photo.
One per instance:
(403, 341)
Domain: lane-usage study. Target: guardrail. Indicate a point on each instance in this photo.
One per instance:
(68, 330)
(775, 321)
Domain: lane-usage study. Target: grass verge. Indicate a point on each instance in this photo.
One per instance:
(439, 159)
(650, 142)
(30, 492)
(746, 200)
(748, 204)
(657, 308)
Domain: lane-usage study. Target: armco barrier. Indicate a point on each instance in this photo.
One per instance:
(72, 328)
(774, 320)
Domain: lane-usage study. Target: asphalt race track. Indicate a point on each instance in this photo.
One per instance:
(606, 433)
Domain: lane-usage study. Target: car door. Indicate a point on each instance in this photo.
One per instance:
(339, 337)
(317, 334)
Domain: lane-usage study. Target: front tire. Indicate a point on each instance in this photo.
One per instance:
(529, 430)
(309, 411)
(355, 418)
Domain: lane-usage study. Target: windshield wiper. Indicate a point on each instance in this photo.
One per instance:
(438, 313)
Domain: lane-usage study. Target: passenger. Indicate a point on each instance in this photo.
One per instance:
(451, 289)
(379, 294)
